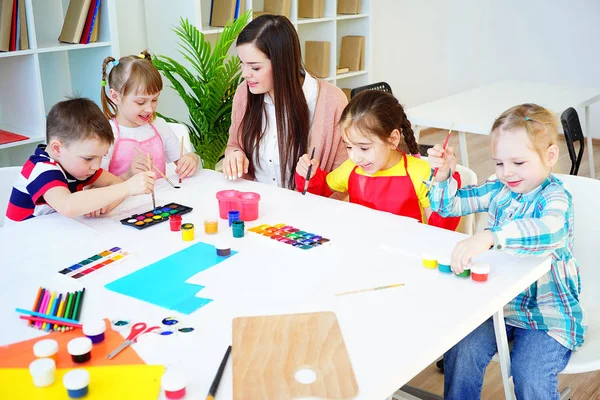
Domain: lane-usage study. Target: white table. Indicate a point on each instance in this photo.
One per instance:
(475, 110)
(391, 335)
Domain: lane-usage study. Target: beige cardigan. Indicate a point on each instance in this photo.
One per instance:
(325, 134)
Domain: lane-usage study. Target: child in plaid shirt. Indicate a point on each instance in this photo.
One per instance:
(529, 213)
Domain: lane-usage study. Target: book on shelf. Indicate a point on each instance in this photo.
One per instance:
(23, 35)
(6, 12)
(223, 11)
(13, 27)
(95, 29)
(342, 70)
(74, 22)
(352, 53)
(86, 35)
(9, 137)
(278, 7)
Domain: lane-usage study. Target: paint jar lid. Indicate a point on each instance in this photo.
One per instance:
(76, 379)
(233, 213)
(223, 244)
(172, 381)
(445, 260)
(237, 224)
(187, 226)
(175, 217)
(428, 256)
(41, 366)
(480, 268)
(45, 348)
(79, 346)
(94, 328)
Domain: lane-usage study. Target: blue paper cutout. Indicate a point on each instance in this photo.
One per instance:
(163, 283)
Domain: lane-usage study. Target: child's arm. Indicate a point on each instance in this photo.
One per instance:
(87, 201)
(187, 165)
(105, 179)
(435, 219)
(322, 183)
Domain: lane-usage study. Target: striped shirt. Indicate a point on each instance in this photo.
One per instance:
(536, 223)
(40, 174)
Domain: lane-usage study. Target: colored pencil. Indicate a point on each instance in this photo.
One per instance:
(370, 289)
(215, 385)
(181, 153)
(61, 310)
(37, 302)
(435, 171)
(49, 309)
(43, 307)
(69, 305)
(308, 174)
(78, 305)
(50, 320)
(37, 314)
(54, 311)
(71, 315)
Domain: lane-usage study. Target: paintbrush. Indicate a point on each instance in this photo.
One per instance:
(158, 170)
(181, 153)
(435, 171)
(153, 198)
(308, 173)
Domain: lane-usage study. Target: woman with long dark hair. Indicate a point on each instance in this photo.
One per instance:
(280, 111)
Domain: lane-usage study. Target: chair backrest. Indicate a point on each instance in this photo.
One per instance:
(573, 133)
(373, 86)
(8, 176)
(585, 192)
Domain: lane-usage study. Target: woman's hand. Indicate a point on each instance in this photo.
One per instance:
(235, 164)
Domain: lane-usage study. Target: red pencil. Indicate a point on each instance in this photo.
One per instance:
(36, 303)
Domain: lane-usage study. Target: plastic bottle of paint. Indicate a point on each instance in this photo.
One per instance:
(211, 226)
(77, 383)
(46, 348)
(444, 264)
(429, 261)
(466, 272)
(80, 349)
(480, 272)
(42, 372)
(187, 232)
(173, 385)
(95, 330)
(238, 229)
(175, 222)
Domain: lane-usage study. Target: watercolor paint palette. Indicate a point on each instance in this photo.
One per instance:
(94, 263)
(289, 235)
(154, 217)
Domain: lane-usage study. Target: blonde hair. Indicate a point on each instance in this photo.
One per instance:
(130, 74)
(540, 124)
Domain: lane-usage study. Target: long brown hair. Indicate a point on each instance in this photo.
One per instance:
(378, 113)
(130, 74)
(275, 36)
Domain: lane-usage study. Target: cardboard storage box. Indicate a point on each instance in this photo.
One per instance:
(317, 56)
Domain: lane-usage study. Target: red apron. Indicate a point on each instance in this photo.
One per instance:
(394, 194)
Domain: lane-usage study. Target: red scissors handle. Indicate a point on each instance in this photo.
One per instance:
(139, 328)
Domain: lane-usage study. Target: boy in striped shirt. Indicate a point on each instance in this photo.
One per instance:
(55, 176)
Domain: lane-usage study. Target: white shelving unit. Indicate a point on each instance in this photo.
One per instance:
(32, 81)
(160, 21)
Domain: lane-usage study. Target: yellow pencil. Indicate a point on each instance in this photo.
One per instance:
(52, 296)
(61, 310)
(370, 289)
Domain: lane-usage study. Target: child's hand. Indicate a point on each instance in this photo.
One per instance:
(235, 164)
(303, 163)
(141, 183)
(444, 160)
(187, 165)
(139, 164)
(469, 248)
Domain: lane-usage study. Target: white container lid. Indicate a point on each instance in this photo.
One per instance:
(76, 379)
(480, 268)
(45, 348)
(79, 346)
(444, 260)
(172, 381)
(428, 256)
(223, 244)
(41, 366)
(94, 328)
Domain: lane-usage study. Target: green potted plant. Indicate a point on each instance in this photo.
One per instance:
(207, 86)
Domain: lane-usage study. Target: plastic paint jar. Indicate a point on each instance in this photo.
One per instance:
(444, 265)
(233, 215)
(95, 331)
(175, 222)
(187, 232)
(77, 382)
(80, 349)
(211, 226)
(429, 261)
(480, 272)
(46, 348)
(238, 229)
(466, 272)
(42, 371)
(173, 385)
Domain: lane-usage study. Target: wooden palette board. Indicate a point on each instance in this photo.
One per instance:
(267, 351)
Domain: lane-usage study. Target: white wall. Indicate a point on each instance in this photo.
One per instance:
(131, 25)
(430, 49)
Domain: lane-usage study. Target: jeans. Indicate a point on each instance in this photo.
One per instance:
(536, 360)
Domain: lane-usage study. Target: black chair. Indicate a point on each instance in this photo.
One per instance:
(373, 86)
(573, 134)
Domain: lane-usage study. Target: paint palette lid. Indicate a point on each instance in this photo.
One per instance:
(76, 379)
(45, 348)
(79, 346)
(41, 366)
(94, 328)
(172, 381)
(480, 268)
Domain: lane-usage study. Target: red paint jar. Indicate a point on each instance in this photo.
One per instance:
(175, 221)
(480, 272)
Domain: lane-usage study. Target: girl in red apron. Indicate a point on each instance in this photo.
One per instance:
(378, 174)
(134, 85)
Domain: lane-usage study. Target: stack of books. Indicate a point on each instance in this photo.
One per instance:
(13, 26)
(81, 22)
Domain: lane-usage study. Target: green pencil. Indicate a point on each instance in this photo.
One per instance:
(68, 308)
(79, 305)
(76, 296)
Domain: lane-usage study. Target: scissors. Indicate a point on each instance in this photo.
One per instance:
(136, 330)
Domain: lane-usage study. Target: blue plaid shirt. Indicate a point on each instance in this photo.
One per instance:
(536, 223)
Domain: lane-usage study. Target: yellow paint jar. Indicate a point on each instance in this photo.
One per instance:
(211, 226)
(429, 261)
(187, 232)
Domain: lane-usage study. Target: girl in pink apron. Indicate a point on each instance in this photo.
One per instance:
(377, 174)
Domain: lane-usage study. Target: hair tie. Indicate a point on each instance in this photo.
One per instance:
(115, 63)
(142, 56)
(527, 119)
(102, 82)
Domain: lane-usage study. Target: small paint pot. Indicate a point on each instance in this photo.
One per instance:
(187, 232)
(95, 330)
(480, 272)
(46, 348)
(42, 372)
(211, 226)
(80, 349)
(173, 385)
(466, 272)
(175, 222)
(233, 215)
(444, 265)
(238, 229)
(77, 382)
(429, 261)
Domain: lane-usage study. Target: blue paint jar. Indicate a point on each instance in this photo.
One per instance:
(76, 382)
(233, 215)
